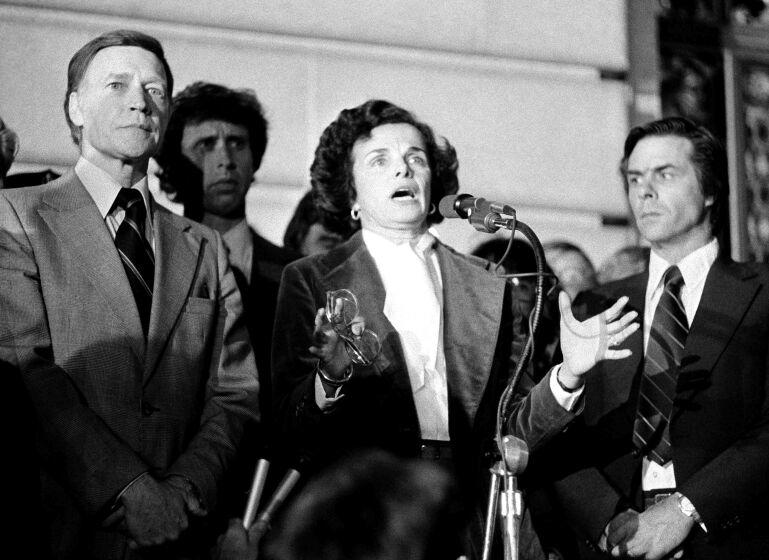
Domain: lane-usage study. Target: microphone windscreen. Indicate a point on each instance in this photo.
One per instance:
(515, 453)
(447, 207)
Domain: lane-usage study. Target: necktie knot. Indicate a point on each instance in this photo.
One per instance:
(673, 279)
(132, 202)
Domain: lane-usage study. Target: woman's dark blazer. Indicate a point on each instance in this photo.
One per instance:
(378, 409)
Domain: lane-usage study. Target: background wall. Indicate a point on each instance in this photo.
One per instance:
(527, 91)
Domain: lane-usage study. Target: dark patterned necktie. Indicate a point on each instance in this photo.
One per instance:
(135, 252)
(669, 329)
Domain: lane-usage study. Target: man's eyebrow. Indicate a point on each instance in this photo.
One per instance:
(655, 168)
(204, 138)
(127, 76)
(117, 75)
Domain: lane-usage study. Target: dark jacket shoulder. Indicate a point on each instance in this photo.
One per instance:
(268, 251)
(593, 301)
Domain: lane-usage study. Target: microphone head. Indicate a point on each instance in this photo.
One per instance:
(451, 206)
(515, 453)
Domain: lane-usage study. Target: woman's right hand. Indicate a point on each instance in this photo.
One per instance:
(329, 347)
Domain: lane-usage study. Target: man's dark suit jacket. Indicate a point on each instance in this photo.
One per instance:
(719, 427)
(377, 409)
(108, 403)
(260, 296)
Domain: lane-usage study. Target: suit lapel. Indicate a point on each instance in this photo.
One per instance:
(714, 323)
(619, 375)
(472, 311)
(72, 214)
(360, 275)
(176, 264)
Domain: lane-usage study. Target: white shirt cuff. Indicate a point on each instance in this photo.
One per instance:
(564, 398)
(325, 404)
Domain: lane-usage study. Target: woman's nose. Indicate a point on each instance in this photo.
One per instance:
(402, 168)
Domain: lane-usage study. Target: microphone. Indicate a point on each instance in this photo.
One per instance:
(466, 206)
(281, 493)
(515, 453)
(484, 215)
(255, 495)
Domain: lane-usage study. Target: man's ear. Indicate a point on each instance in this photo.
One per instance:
(75, 113)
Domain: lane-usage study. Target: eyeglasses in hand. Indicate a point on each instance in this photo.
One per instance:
(342, 314)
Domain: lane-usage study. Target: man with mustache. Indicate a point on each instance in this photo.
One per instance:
(125, 323)
(214, 145)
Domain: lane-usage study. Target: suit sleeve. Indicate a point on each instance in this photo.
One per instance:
(79, 448)
(232, 392)
(298, 420)
(732, 488)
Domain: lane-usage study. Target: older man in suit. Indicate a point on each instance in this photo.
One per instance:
(671, 453)
(125, 323)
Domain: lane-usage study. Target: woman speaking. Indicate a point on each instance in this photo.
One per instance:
(392, 340)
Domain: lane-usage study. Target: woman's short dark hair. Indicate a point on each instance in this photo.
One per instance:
(331, 171)
(79, 62)
(199, 102)
(708, 158)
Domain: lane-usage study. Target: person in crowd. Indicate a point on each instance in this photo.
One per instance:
(9, 145)
(521, 261)
(215, 142)
(371, 505)
(125, 323)
(670, 454)
(305, 233)
(442, 319)
(30, 178)
(214, 145)
(624, 262)
(572, 267)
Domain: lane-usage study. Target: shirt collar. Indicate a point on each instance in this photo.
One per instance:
(379, 244)
(238, 235)
(694, 266)
(103, 189)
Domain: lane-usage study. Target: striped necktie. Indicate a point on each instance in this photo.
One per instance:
(669, 329)
(135, 252)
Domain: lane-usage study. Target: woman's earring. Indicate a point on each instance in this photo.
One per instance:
(355, 213)
(432, 209)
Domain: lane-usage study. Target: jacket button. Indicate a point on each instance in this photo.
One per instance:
(147, 409)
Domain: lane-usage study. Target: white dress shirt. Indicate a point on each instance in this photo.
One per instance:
(694, 268)
(240, 247)
(103, 189)
(414, 305)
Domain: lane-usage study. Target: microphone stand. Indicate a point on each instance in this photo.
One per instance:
(505, 499)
